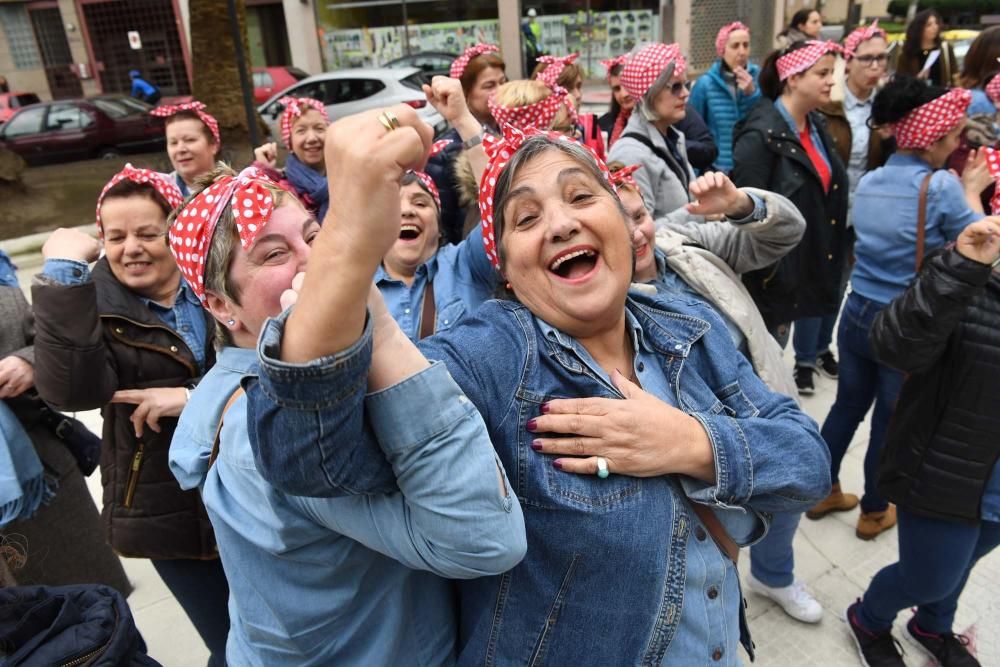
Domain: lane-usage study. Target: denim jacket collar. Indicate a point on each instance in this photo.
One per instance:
(429, 268)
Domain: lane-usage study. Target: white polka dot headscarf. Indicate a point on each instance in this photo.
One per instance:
(930, 121)
(860, 35)
(554, 66)
(993, 89)
(645, 67)
(197, 108)
(163, 185)
(801, 59)
(723, 36)
(425, 178)
(540, 114)
(460, 63)
(500, 150)
(612, 63)
(294, 108)
(191, 234)
(993, 163)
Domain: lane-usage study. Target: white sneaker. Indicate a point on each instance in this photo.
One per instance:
(795, 600)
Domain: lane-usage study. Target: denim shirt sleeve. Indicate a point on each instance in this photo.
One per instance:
(455, 514)
(66, 271)
(307, 424)
(758, 213)
(472, 256)
(949, 209)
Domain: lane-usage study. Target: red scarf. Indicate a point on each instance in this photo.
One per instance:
(814, 156)
(619, 127)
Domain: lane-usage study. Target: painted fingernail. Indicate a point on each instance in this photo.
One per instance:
(536, 445)
(557, 464)
(532, 424)
(545, 408)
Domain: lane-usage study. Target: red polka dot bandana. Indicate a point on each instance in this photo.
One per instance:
(929, 122)
(645, 67)
(554, 66)
(799, 60)
(425, 178)
(612, 63)
(540, 114)
(458, 67)
(167, 188)
(993, 89)
(993, 162)
(500, 150)
(723, 36)
(860, 35)
(623, 176)
(295, 107)
(168, 110)
(191, 234)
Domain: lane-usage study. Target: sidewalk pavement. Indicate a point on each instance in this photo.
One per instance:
(834, 564)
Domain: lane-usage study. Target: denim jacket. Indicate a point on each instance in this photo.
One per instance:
(603, 579)
(352, 580)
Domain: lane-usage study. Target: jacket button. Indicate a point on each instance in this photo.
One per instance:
(833, 222)
(713, 593)
(717, 655)
(700, 534)
(830, 257)
(173, 348)
(793, 150)
(119, 330)
(835, 186)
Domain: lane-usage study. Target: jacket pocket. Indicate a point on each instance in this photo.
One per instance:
(542, 645)
(132, 483)
(735, 402)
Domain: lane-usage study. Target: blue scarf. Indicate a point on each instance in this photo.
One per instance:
(23, 485)
(308, 181)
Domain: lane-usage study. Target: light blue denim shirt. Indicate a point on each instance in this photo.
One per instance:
(463, 279)
(186, 317)
(885, 212)
(858, 112)
(354, 580)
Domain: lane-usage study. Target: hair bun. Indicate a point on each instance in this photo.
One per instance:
(900, 96)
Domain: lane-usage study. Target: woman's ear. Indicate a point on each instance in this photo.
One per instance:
(222, 310)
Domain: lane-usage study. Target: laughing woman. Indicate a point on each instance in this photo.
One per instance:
(303, 129)
(618, 514)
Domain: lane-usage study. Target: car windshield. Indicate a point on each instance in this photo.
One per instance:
(414, 81)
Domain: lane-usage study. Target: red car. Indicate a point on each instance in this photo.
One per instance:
(105, 126)
(11, 102)
(270, 80)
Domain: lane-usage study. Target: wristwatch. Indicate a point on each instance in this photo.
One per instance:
(473, 141)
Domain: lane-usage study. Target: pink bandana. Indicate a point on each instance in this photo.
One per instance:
(993, 89)
(860, 35)
(723, 36)
(168, 110)
(993, 162)
(624, 177)
(500, 151)
(929, 122)
(425, 179)
(799, 60)
(540, 114)
(458, 67)
(645, 67)
(611, 63)
(295, 107)
(167, 188)
(554, 68)
(194, 225)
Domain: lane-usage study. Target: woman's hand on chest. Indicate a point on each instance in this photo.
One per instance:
(640, 436)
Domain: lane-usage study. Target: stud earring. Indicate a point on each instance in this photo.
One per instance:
(231, 322)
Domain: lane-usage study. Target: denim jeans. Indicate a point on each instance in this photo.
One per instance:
(935, 559)
(772, 560)
(811, 337)
(862, 381)
(201, 588)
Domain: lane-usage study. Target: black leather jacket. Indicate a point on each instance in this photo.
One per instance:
(944, 439)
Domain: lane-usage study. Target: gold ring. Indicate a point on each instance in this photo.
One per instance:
(388, 120)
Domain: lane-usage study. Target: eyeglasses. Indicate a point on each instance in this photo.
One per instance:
(676, 87)
(880, 60)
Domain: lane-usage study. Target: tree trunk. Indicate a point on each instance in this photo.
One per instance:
(911, 11)
(11, 167)
(216, 76)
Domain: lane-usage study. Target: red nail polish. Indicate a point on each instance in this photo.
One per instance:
(532, 423)
(557, 464)
(545, 408)
(536, 445)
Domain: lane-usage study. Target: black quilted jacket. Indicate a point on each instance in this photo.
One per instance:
(944, 439)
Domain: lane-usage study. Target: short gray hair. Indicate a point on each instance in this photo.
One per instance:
(646, 103)
(528, 151)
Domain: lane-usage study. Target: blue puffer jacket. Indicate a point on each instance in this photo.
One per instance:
(713, 99)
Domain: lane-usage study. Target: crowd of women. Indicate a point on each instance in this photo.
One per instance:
(499, 397)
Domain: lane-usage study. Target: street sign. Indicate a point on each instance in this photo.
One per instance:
(133, 39)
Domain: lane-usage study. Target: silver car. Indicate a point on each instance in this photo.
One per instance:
(351, 91)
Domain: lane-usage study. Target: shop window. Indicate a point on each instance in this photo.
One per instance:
(20, 37)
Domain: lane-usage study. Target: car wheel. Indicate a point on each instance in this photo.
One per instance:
(109, 153)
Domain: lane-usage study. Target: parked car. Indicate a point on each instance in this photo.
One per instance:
(105, 126)
(431, 63)
(11, 102)
(351, 91)
(268, 80)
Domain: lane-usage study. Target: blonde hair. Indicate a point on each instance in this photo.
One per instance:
(525, 92)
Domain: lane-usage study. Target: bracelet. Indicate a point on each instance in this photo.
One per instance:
(473, 141)
(187, 394)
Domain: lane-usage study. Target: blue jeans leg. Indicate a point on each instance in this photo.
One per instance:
(827, 324)
(935, 558)
(805, 340)
(772, 560)
(202, 590)
(862, 381)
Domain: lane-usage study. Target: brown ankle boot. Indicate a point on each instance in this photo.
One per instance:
(835, 502)
(871, 524)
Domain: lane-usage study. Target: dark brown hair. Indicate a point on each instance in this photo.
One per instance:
(476, 66)
(125, 189)
(910, 58)
(981, 60)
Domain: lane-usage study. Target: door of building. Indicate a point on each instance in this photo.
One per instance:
(51, 38)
